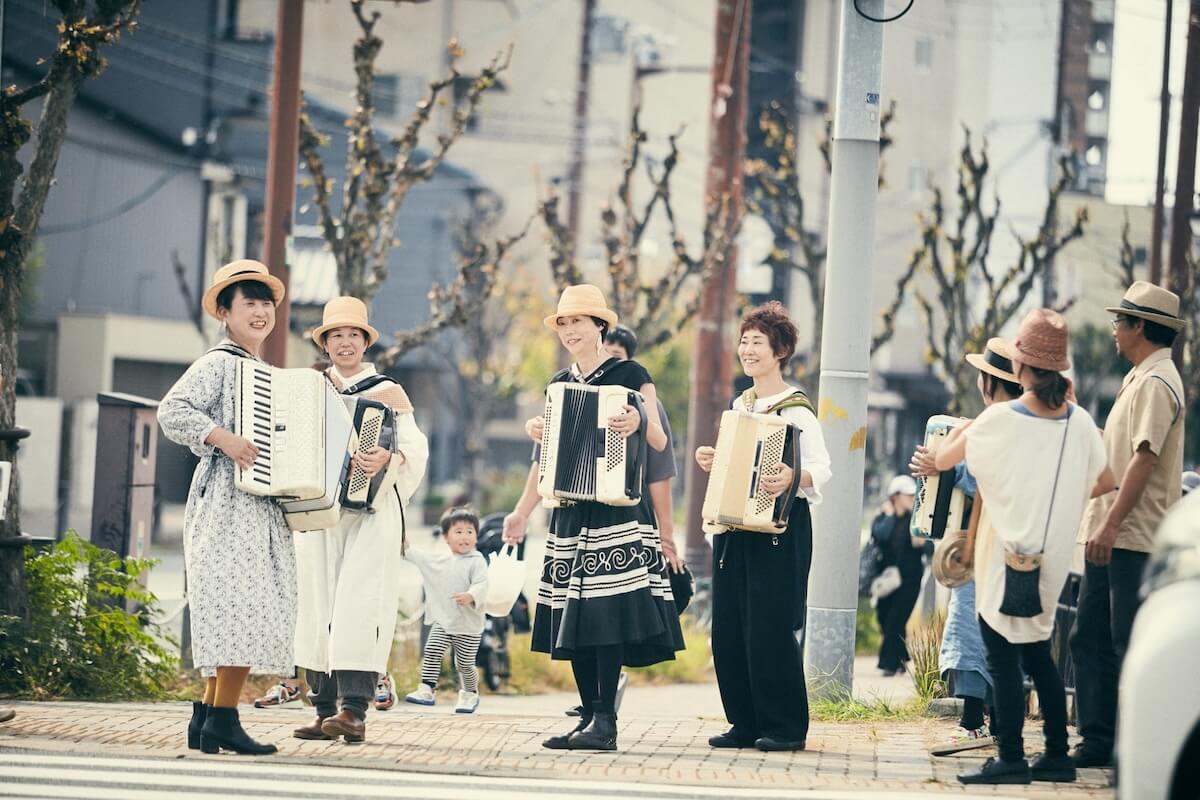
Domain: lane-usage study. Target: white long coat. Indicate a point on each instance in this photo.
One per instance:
(349, 577)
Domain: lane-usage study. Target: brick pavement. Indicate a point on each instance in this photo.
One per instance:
(892, 756)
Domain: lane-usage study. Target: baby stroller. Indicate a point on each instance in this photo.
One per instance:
(492, 658)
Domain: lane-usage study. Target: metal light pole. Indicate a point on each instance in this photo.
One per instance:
(845, 349)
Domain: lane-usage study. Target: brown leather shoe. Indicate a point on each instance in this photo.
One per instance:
(345, 723)
(312, 731)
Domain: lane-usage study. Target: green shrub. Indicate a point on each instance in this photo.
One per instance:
(924, 644)
(867, 637)
(79, 641)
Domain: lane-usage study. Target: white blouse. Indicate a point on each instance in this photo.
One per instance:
(814, 456)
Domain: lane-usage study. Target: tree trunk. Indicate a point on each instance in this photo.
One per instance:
(22, 217)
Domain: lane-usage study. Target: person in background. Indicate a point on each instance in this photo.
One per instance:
(1036, 460)
(904, 551)
(1143, 438)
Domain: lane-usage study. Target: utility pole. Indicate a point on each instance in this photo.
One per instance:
(282, 153)
(845, 348)
(1185, 171)
(1160, 173)
(712, 366)
(579, 141)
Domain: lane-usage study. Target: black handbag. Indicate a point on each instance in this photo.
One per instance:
(1023, 571)
(682, 587)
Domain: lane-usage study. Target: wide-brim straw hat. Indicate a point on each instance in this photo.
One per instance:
(235, 272)
(1147, 301)
(345, 312)
(582, 300)
(996, 360)
(1042, 341)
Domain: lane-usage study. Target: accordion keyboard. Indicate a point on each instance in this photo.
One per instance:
(282, 412)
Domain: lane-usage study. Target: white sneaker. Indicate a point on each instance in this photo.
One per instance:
(962, 740)
(467, 702)
(423, 696)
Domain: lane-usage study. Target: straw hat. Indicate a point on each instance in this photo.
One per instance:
(948, 568)
(996, 359)
(1147, 301)
(236, 272)
(584, 300)
(345, 312)
(1042, 341)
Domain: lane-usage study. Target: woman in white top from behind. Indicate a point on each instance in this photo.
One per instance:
(1036, 461)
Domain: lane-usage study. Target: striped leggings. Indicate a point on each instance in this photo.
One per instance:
(465, 648)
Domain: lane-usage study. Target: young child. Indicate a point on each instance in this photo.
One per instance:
(455, 590)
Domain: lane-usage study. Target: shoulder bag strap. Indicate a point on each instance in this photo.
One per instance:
(1178, 402)
(1057, 471)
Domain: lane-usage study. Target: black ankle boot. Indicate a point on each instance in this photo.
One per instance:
(561, 742)
(600, 735)
(223, 731)
(199, 715)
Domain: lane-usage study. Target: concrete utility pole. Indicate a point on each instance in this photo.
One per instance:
(282, 153)
(712, 365)
(845, 348)
(1185, 171)
(1160, 172)
(580, 131)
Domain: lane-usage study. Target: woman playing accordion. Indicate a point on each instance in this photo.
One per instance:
(604, 600)
(760, 580)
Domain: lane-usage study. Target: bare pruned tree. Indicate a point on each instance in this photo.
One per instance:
(773, 192)
(360, 227)
(954, 253)
(654, 306)
(85, 29)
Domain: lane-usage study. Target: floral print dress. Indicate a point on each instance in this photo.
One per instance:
(238, 552)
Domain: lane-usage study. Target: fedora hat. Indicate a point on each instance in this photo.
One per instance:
(582, 300)
(1147, 301)
(236, 272)
(341, 312)
(996, 360)
(1042, 341)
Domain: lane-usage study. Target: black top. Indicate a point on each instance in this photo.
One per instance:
(613, 372)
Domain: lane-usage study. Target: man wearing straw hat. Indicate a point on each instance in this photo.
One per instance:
(1143, 438)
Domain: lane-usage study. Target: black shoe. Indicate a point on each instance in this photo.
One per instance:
(770, 744)
(1054, 768)
(600, 735)
(1085, 757)
(732, 739)
(199, 715)
(575, 711)
(996, 771)
(223, 731)
(560, 742)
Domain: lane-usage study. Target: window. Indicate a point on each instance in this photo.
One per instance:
(387, 94)
(1095, 100)
(918, 178)
(923, 53)
(1094, 155)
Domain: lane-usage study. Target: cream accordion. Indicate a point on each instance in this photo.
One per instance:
(302, 430)
(374, 426)
(581, 458)
(748, 447)
(938, 505)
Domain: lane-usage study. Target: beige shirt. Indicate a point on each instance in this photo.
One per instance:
(1149, 408)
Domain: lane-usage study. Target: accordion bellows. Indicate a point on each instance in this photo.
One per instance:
(581, 458)
(938, 505)
(748, 446)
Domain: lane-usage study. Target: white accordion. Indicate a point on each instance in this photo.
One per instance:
(938, 505)
(749, 446)
(581, 458)
(303, 432)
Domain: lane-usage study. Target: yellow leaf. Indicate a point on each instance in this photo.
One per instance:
(859, 439)
(831, 412)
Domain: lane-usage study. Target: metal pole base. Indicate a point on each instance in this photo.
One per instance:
(829, 652)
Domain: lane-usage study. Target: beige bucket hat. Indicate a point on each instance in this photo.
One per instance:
(235, 272)
(343, 312)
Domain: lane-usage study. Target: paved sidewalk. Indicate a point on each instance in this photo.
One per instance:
(655, 747)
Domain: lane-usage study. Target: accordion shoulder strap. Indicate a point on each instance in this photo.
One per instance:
(796, 399)
(368, 383)
(231, 349)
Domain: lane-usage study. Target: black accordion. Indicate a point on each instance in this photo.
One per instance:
(581, 458)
